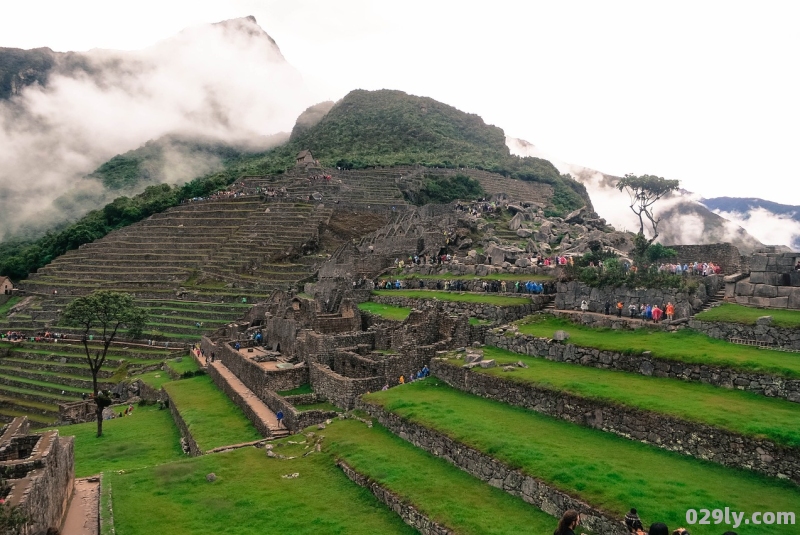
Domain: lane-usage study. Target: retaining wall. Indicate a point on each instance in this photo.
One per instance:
(478, 310)
(690, 438)
(646, 364)
(261, 426)
(194, 449)
(780, 336)
(485, 468)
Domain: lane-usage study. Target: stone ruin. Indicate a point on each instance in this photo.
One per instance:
(773, 282)
(39, 474)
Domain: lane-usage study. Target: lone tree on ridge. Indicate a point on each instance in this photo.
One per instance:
(106, 312)
(644, 191)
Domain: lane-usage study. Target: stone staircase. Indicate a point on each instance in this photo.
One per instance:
(715, 300)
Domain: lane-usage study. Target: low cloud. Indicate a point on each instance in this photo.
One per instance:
(226, 81)
(768, 227)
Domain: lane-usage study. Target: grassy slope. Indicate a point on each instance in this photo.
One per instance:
(489, 299)
(732, 313)
(146, 438)
(491, 277)
(212, 418)
(386, 311)
(737, 411)
(609, 472)
(5, 307)
(430, 483)
(684, 345)
(302, 389)
(248, 497)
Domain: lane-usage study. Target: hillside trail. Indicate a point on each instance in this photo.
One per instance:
(83, 515)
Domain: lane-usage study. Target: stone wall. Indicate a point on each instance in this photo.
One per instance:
(239, 401)
(690, 438)
(341, 391)
(410, 515)
(194, 449)
(646, 364)
(724, 255)
(785, 337)
(570, 295)
(773, 282)
(294, 420)
(485, 468)
(482, 311)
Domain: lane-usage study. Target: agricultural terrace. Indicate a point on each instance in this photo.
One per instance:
(490, 277)
(587, 463)
(428, 482)
(486, 299)
(213, 419)
(147, 437)
(683, 345)
(735, 410)
(733, 313)
(388, 312)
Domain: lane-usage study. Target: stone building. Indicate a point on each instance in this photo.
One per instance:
(5, 286)
(38, 470)
(774, 282)
(305, 159)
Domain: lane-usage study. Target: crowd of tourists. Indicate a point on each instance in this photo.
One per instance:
(696, 268)
(43, 336)
(571, 519)
(643, 311)
(411, 377)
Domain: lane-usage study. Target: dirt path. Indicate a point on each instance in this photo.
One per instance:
(83, 516)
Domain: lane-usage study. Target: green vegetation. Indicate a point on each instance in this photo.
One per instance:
(319, 406)
(741, 412)
(443, 190)
(684, 345)
(489, 299)
(300, 390)
(476, 321)
(186, 364)
(212, 418)
(491, 277)
(145, 438)
(607, 471)
(5, 307)
(156, 378)
(249, 497)
(429, 483)
(389, 312)
(732, 313)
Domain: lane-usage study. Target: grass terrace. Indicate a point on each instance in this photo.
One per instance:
(741, 412)
(733, 313)
(462, 297)
(429, 483)
(147, 437)
(249, 497)
(5, 307)
(186, 364)
(607, 471)
(300, 390)
(212, 418)
(388, 312)
(490, 277)
(155, 379)
(319, 406)
(684, 345)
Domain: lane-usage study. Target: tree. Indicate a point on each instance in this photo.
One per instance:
(644, 191)
(105, 312)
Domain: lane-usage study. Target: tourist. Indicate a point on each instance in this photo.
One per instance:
(656, 312)
(608, 308)
(385, 387)
(670, 311)
(632, 521)
(619, 309)
(402, 380)
(659, 528)
(681, 531)
(569, 521)
(279, 416)
(632, 310)
(584, 306)
(648, 312)
(425, 371)
(797, 266)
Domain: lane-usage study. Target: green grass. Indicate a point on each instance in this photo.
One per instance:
(145, 438)
(389, 312)
(5, 307)
(490, 277)
(155, 379)
(488, 299)
(187, 364)
(733, 313)
(300, 390)
(684, 345)
(319, 406)
(741, 412)
(607, 471)
(249, 497)
(476, 321)
(212, 418)
(444, 493)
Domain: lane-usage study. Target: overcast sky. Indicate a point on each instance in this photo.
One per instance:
(704, 92)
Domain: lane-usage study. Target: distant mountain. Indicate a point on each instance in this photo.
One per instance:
(771, 222)
(684, 219)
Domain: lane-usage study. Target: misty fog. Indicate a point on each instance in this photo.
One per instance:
(225, 81)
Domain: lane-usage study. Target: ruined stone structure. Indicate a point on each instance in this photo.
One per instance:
(774, 282)
(725, 255)
(38, 469)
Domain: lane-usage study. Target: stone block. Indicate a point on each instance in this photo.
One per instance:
(524, 233)
(779, 302)
(744, 288)
(743, 299)
(759, 301)
(561, 336)
(784, 291)
(758, 277)
(794, 278)
(487, 363)
(794, 299)
(758, 262)
(765, 290)
(764, 320)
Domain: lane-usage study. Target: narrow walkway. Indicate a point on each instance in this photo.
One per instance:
(258, 407)
(624, 318)
(83, 515)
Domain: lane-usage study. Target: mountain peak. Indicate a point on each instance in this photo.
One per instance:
(246, 26)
